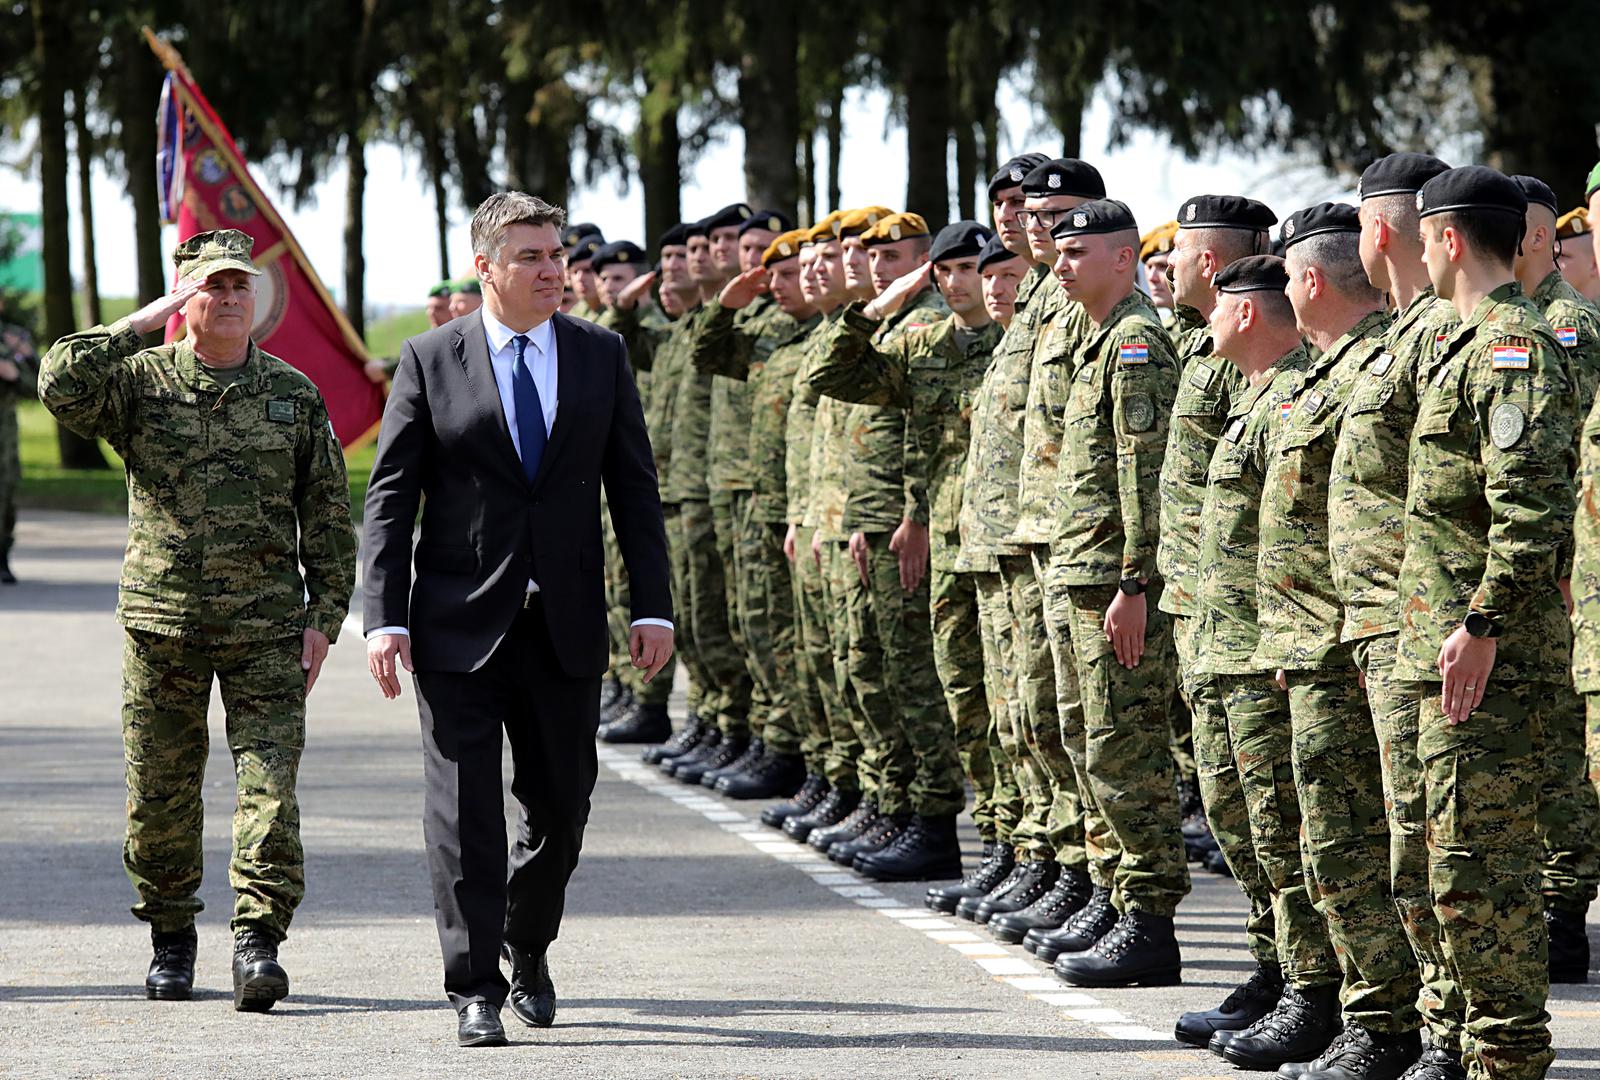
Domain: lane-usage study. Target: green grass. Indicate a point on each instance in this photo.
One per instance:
(385, 336)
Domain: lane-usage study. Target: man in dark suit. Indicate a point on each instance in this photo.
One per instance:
(502, 425)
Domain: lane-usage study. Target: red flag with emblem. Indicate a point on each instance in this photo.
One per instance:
(205, 184)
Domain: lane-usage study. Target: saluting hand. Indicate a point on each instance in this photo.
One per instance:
(899, 291)
(742, 290)
(635, 290)
(154, 315)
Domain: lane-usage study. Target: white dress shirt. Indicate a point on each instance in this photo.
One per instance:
(540, 358)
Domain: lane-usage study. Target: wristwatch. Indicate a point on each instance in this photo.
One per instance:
(1480, 625)
(1132, 586)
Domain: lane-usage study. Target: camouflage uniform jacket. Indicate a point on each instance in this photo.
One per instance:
(1207, 388)
(766, 356)
(1297, 606)
(1114, 432)
(1489, 507)
(1229, 520)
(763, 324)
(1586, 562)
(994, 461)
(930, 375)
(1367, 477)
(582, 310)
(1063, 328)
(1577, 325)
(658, 350)
(690, 420)
(807, 446)
(232, 486)
(635, 326)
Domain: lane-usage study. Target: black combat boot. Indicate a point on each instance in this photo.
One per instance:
(848, 828)
(1092, 922)
(1036, 880)
(1189, 805)
(1217, 864)
(1243, 1007)
(998, 859)
(645, 724)
(726, 752)
(683, 740)
(259, 981)
(610, 689)
(1359, 1054)
(703, 748)
(927, 851)
(1437, 1063)
(6, 576)
(1569, 946)
(1299, 1028)
(171, 975)
(772, 776)
(620, 706)
(1141, 950)
(1070, 892)
(753, 752)
(812, 791)
(878, 835)
(967, 907)
(836, 805)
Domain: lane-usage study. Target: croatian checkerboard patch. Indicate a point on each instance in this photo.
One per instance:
(1567, 335)
(1136, 353)
(1510, 358)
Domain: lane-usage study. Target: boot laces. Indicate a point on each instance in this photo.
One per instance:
(1258, 981)
(1117, 940)
(252, 945)
(1349, 1047)
(1089, 914)
(1286, 1017)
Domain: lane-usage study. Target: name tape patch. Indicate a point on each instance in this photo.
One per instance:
(1136, 353)
(281, 412)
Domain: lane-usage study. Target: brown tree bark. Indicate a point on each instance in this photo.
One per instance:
(835, 135)
(769, 105)
(927, 90)
(355, 261)
(139, 88)
(660, 172)
(85, 156)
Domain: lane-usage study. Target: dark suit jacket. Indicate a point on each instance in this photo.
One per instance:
(444, 444)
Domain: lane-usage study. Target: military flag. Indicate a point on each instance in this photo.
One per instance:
(206, 184)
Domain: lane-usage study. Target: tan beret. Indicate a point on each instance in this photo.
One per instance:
(894, 228)
(784, 246)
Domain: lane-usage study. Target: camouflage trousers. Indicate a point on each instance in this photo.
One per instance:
(741, 692)
(1395, 714)
(166, 690)
(1481, 788)
(1126, 749)
(699, 701)
(727, 692)
(10, 475)
(892, 673)
(1345, 844)
(1569, 813)
(1180, 738)
(816, 689)
(1258, 728)
(1010, 765)
(766, 622)
(619, 619)
(855, 740)
(1591, 706)
(1221, 791)
(958, 659)
(1047, 711)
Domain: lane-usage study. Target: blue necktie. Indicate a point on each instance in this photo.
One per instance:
(531, 435)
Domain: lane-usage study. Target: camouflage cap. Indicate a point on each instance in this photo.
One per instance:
(203, 254)
(894, 228)
(1573, 223)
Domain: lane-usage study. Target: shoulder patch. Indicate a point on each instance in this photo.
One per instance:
(1506, 424)
(1509, 357)
(1201, 375)
(1567, 335)
(1133, 353)
(1139, 412)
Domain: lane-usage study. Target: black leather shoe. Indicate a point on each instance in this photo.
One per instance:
(1359, 1054)
(729, 750)
(703, 748)
(878, 835)
(1035, 881)
(1299, 1028)
(967, 907)
(996, 864)
(836, 805)
(1141, 950)
(754, 750)
(533, 995)
(1063, 900)
(773, 775)
(1243, 1007)
(849, 827)
(1092, 922)
(259, 982)
(927, 850)
(645, 724)
(479, 1025)
(171, 976)
(683, 740)
(1436, 1063)
(812, 791)
(1569, 946)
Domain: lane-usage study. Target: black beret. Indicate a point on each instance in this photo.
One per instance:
(1325, 217)
(577, 232)
(1253, 273)
(584, 248)
(1012, 172)
(1225, 212)
(994, 252)
(959, 240)
(1398, 174)
(729, 216)
(774, 221)
(1539, 192)
(618, 251)
(1064, 176)
(1471, 187)
(1095, 216)
(676, 236)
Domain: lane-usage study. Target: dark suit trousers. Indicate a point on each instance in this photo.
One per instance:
(480, 897)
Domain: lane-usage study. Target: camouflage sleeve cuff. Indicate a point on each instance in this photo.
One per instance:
(327, 623)
(857, 320)
(123, 340)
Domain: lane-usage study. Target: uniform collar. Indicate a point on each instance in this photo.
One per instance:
(252, 377)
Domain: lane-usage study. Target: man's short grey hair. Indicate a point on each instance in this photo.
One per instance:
(504, 209)
(1231, 245)
(1338, 256)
